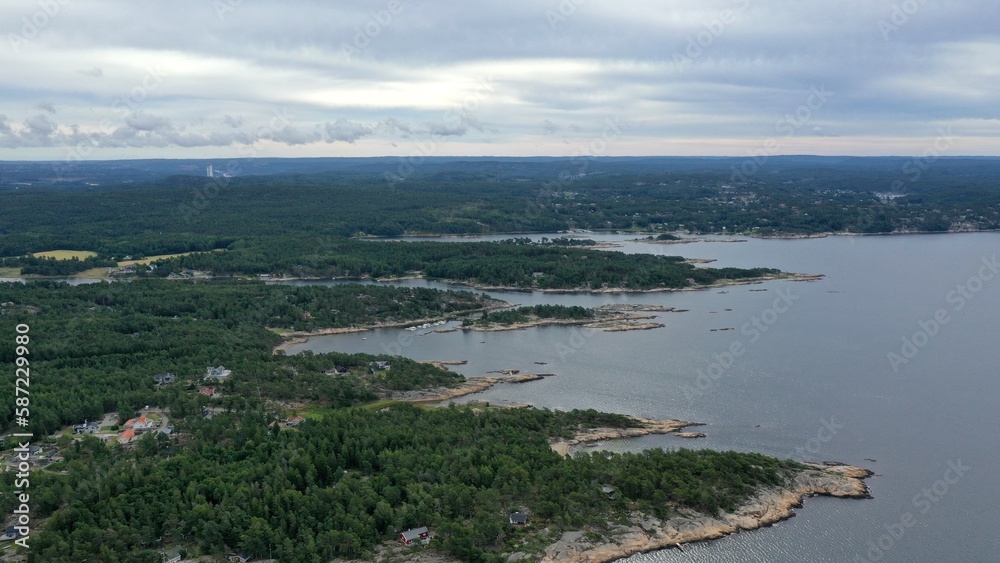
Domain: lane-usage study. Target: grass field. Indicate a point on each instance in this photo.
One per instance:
(65, 254)
(93, 274)
(10, 272)
(151, 259)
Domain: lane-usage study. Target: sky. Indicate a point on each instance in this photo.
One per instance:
(102, 79)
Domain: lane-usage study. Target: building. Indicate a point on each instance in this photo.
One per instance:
(9, 534)
(415, 535)
(379, 365)
(86, 428)
(163, 378)
(295, 420)
(610, 491)
(218, 373)
(172, 556)
(140, 424)
(518, 519)
(239, 557)
(207, 391)
(127, 436)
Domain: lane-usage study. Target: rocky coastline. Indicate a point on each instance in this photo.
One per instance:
(644, 533)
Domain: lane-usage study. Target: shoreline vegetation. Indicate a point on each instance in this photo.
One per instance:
(787, 276)
(640, 532)
(371, 457)
(645, 533)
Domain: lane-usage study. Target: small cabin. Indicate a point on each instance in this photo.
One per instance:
(415, 535)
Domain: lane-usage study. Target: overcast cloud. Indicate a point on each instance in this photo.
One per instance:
(209, 78)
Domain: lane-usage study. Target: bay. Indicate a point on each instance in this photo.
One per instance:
(814, 382)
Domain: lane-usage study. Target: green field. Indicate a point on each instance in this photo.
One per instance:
(151, 259)
(66, 254)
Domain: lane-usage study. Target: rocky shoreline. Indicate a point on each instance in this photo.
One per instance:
(468, 387)
(645, 533)
(302, 336)
(721, 283)
(608, 322)
(648, 426)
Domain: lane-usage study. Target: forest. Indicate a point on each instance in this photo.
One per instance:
(99, 345)
(335, 487)
(531, 312)
(508, 264)
(347, 479)
(363, 465)
(186, 213)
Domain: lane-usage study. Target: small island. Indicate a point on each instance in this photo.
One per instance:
(542, 315)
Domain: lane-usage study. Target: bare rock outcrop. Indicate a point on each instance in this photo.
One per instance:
(647, 533)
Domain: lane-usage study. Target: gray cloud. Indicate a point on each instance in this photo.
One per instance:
(723, 71)
(145, 122)
(347, 131)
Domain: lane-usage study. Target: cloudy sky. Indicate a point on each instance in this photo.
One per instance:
(223, 78)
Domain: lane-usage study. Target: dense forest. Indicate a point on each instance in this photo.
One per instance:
(185, 213)
(482, 264)
(237, 474)
(531, 312)
(339, 484)
(99, 345)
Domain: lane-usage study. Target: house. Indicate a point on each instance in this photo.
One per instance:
(218, 373)
(9, 534)
(518, 519)
(163, 378)
(295, 420)
(207, 391)
(337, 370)
(127, 436)
(172, 556)
(166, 431)
(86, 428)
(410, 537)
(610, 491)
(240, 557)
(140, 424)
(379, 365)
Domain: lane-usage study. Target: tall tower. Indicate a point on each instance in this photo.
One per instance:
(210, 175)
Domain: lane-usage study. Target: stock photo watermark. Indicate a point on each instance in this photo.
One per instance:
(562, 12)
(827, 431)
(580, 162)
(914, 169)
(958, 298)
(753, 330)
(202, 196)
(32, 26)
(127, 106)
(923, 502)
(699, 43)
(455, 118)
(377, 22)
(899, 16)
(788, 125)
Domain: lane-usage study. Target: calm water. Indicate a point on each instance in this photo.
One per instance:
(813, 382)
